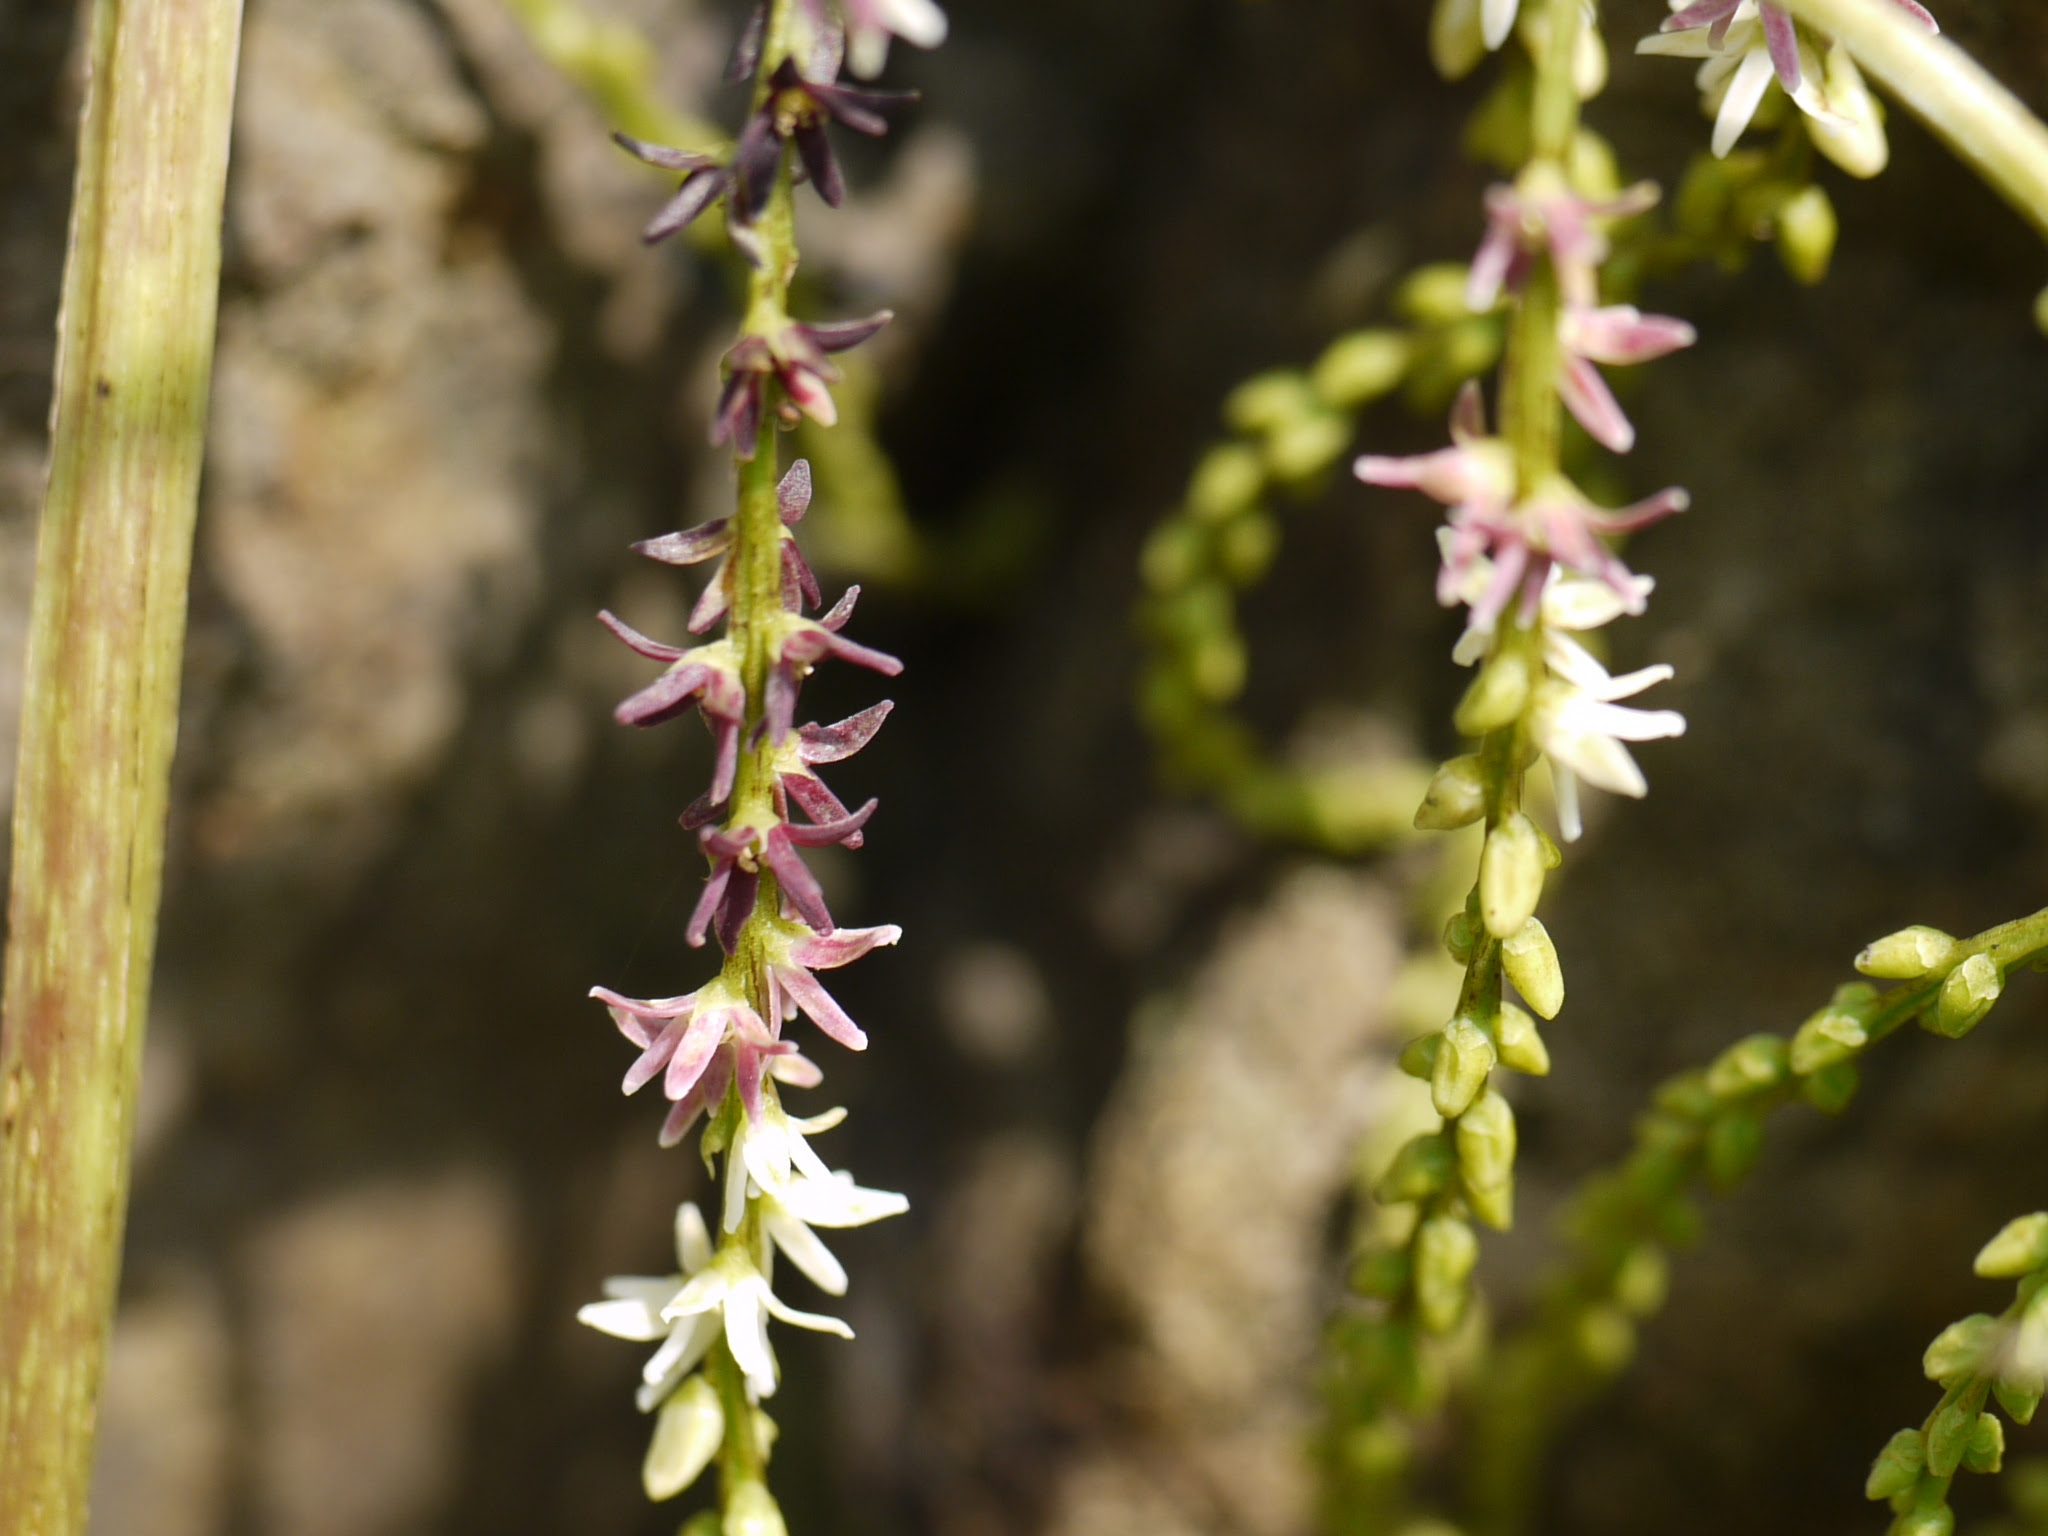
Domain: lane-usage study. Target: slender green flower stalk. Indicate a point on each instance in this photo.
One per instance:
(100, 715)
(1524, 551)
(719, 1051)
(1703, 1132)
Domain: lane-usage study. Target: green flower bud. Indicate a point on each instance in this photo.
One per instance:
(1831, 1088)
(1308, 444)
(1642, 1281)
(1435, 294)
(1462, 1064)
(1606, 1339)
(1494, 1205)
(1357, 369)
(1530, 960)
(1966, 996)
(1383, 1274)
(1445, 1251)
(1733, 1142)
(1830, 1036)
(1423, 1167)
(1226, 482)
(1269, 401)
(2020, 1401)
(1906, 955)
(1486, 1142)
(1751, 1064)
(1497, 696)
(1456, 797)
(1217, 667)
(1686, 1096)
(1960, 1350)
(1456, 43)
(2020, 1248)
(1806, 234)
(1898, 1466)
(687, 1434)
(1174, 555)
(1418, 1056)
(1932, 1520)
(1950, 1431)
(751, 1510)
(1461, 936)
(1245, 546)
(1521, 1048)
(1381, 1448)
(1510, 876)
(1986, 1450)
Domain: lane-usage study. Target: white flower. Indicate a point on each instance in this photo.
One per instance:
(1744, 47)
(731, 1289)
(1576, 722)
(770, 1157)
(634, 1310)
(871, 23)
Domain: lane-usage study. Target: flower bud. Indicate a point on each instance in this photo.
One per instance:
(2020, 1248)
(1898, 1466)
(1461, 936)
(1497, 695)
(1216, 666)
(1932, 1520)
(1748, 1065)
(1831, 1088)
(1456, 44)
(1733, 1142)
(1418, 1056)
(751, 1510)
(1306, 445)
(1830, 1036)
(1173, 556)
(1960, 1350)
(2018, 1400)
(1906, 955)
(1643, 1280)
(1510, 875)
(1357, 369)
(1686, 1096)
(1423, 1167)
(1606, 1339)
(1521, 1048)
(1445, 1251)
(1435, 294)
(1806, 234)
(1462, 1064)
(1456, 797)
(1986, 1450)
(1486, 1142)
(1966, 996)
(1269, 401)
(1530, 960)
(1245, 546)
(687, 1433)
(1225, 483)
(1950, 1431)
(1494, 1205)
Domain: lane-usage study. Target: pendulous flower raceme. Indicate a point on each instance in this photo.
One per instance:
(720, 1051)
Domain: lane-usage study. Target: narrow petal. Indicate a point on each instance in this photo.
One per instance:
(627, 1317)
(842, 946)
(793, 493)
(653, 650)
(1745, 91)
(694, 1051)
(746, 1335)
(693, 1238)
(806, 1251)
(1621, 334)
(1566, 784)
(839, 335)
(835, 743)
(1587, 397)
(693, 1340)
(817, 1322)
(815, 150)
(820, 834)
(1496, 20)
(815, 799)
(1781, 41)
(691, 546)
(823, 1008)
(799, 886)
(700, 189)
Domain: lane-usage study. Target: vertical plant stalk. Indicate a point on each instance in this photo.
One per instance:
(99, 715)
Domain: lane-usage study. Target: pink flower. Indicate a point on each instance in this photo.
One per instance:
(1542, 211)
(795, 954)
(795, 355)
(696, 545)
(707, 676)
(1618, 335)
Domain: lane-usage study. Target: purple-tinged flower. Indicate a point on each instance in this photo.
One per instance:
(1542, 211)
(738, 855)
(1476, 472)
(696, 545)
(707, 676)
(706, 178)
(801, 644)
(871, 23)
(816, 744)
(798, 109)
(1618, 335)
(793, 955)
(796, 356)
(679, 1036)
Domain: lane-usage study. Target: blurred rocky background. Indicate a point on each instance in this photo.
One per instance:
(1122, 1058)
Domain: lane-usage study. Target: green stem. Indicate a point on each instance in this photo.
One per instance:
(99, 715)
(1985, 124)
